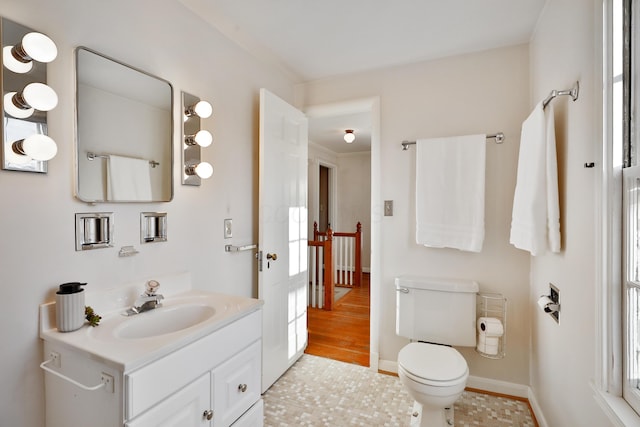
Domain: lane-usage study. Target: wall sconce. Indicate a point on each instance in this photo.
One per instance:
(349, 136)
(194, 139)
(25, 54)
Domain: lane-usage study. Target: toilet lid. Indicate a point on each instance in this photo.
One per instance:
(432, 362)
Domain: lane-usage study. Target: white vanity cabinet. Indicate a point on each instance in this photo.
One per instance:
(213, 381)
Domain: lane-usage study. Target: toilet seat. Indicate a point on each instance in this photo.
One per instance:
(432, 364)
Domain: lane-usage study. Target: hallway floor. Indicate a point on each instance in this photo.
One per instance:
(342, 333)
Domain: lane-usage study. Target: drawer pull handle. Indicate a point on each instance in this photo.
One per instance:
(242, 388)
(208, 414)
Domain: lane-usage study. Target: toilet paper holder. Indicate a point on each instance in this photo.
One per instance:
(492, 308)
(550, 304)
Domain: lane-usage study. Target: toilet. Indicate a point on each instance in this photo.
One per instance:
(435, 314)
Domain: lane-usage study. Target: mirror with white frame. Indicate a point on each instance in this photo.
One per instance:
(124, 129)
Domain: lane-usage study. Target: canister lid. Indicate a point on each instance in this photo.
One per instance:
(70, 288)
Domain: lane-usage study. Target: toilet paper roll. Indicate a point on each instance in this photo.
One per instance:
(483, 339)
(487, 348)
(490, 327)
(543, 302)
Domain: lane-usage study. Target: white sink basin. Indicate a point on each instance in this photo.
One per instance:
(163, 320)
(128, 342)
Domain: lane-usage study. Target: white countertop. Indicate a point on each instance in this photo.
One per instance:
(103, 343)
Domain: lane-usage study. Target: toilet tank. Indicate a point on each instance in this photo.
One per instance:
(436, 310)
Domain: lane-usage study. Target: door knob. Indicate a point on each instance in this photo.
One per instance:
(272, 257)
(208, 414)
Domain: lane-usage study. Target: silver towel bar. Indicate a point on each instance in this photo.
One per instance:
(573, 92)
(93, 156)
(499, 137)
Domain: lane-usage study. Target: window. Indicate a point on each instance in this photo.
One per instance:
(625, 141)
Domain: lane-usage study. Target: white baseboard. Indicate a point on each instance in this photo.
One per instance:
(490, 385)
(374, 360)
(388, 366)
(537, 411)
(498, 386)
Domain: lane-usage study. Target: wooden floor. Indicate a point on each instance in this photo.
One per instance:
(343, 333)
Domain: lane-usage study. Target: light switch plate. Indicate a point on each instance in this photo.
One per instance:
(388, 208)
(228, 228)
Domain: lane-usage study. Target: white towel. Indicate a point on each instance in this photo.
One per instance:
(450, 176)
(128, 179)
(535, 223)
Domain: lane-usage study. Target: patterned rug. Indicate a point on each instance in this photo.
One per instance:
(323, 392)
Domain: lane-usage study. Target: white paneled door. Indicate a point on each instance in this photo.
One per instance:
(282, 276)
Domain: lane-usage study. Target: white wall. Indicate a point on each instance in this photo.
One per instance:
(354, 198)
(566, 48)
(37, 213)
(479, 93)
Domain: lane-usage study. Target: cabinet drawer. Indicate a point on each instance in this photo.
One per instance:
(236, 385)
(254, 417)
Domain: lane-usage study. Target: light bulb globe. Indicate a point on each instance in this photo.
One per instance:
(349, 137)
(13, 64)
(39, 47)
(40, 96)
(39, 147)
(11, 109)
(204, 170)
(203, 109)
(203, 138)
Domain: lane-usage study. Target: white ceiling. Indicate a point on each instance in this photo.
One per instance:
(314, 39)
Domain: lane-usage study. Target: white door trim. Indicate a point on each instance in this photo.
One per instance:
(371, 105)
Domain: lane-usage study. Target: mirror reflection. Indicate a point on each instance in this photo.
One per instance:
(124, 132)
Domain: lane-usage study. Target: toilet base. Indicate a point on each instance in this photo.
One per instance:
(431, 417)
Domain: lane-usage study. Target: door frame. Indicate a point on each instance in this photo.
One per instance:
(372, 106)
(315, 192)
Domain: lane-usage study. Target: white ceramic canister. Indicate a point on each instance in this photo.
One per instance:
(70, 306)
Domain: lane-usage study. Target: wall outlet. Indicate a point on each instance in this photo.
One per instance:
(228, 228)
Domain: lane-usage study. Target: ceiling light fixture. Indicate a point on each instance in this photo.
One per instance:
(349, 136)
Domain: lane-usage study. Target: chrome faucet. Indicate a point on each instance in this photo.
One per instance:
(149, 300)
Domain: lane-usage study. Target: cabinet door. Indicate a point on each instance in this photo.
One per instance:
(254, 417)
(185, 408)
(236, 385)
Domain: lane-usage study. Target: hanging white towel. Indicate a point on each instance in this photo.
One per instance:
(450, 177)
(535, 223)
(128, 179)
